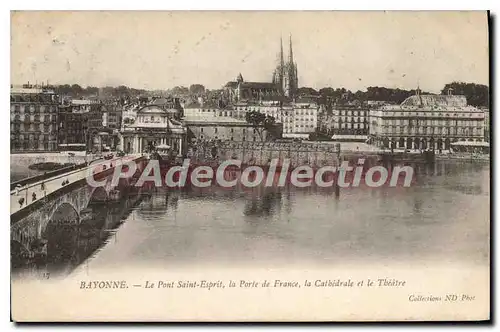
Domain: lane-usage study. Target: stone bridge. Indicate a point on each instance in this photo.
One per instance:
(69, 205)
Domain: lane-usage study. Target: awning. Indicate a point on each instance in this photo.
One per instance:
(356, 137)
(465, 143)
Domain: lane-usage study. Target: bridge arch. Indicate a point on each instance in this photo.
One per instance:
(62, 212)
(18, 253)
(61, 236)
(98, 195)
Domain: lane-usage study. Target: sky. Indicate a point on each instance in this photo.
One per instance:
(160, 50)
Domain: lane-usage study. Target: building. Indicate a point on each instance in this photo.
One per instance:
(72, 125)
(33, 119)
(286, 75)
(486, 111)
(284, 83)
(241, 91)
(347, 123)
(222, 128)
(305, 117)
(113, 118)
(99, 136)
(99, 125)
(207, 109)
(155, 124)
(426, 122)
(299, 117)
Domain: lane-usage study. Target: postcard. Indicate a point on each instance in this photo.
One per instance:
(250, 166)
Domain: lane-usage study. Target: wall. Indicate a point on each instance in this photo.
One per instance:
(257, 153)
(231, 130)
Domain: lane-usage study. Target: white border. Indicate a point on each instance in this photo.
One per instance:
(197, 5)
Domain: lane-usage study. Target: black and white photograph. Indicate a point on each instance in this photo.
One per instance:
(250, 166)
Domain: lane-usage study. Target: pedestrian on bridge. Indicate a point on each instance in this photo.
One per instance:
(42, 186)
(33, 197)
(21, 202)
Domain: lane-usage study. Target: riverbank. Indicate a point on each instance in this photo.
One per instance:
(20, 162)
(49, 166)
(480, 158)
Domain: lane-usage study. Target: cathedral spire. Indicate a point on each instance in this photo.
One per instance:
(290, 56)
(282, 57)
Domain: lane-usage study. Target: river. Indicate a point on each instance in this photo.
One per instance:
(443, 216)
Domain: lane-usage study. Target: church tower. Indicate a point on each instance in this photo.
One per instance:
(279, 72)
(291, 74)
(285, 75)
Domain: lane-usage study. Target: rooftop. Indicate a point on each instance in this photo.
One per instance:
(435, 100)
(201, 119)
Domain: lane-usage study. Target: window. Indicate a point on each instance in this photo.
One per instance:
(201, 130)
(215, 130)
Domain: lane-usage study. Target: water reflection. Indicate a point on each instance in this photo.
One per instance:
(70, 242)
(444, 215)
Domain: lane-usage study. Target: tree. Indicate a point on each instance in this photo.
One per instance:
(260, 122)
(76, 89)
(476, 94)
(180, 91)
(305, 91)
(196, 89)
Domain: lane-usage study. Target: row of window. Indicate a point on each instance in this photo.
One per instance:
(429, 114)
(27, 118)
(254, 138)
(350, 113)
(353, 125)
(305, 119)
(32, 138)
(15, 127)
(423, 122)
(216, 130)
(33, 109)
(432, 130)
(351, 119)
(25, 145)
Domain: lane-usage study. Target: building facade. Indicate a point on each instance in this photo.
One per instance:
(72, 125)
(426, 122)
(284, 82)
(207, 109)
(153, 126)
(486, 111)
(305, 116)
(242, 91)
(346, 123)
(222, 128)
(33, 119)
(286, 76)
(99, 136)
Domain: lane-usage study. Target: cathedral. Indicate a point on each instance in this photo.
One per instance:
(285, 75)
(284, 82)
